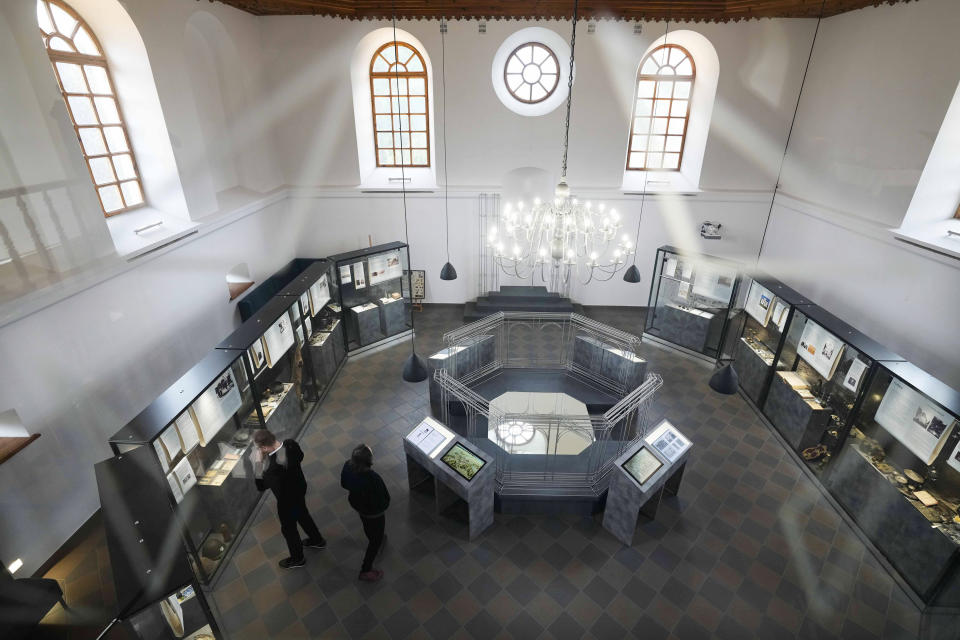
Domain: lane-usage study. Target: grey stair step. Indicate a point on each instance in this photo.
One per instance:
(471, 313)
(524, 306)
(518, 298)
(524, 291)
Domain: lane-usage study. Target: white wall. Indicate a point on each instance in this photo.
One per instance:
(879, 85)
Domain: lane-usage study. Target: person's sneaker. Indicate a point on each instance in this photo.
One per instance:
(374, 575)
(290, 563)
(315, 544)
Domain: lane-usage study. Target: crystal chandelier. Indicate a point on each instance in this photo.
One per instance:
(563, 238)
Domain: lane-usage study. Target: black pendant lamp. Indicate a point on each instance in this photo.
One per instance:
(725, 380)
(447, 272)
(414, 368)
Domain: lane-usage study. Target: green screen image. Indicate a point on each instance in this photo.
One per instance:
(462, 461)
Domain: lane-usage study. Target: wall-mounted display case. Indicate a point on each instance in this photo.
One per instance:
(158, 596)
(691, 300)
(374, 293)
(822, 372)
(318, 324)
(764, 314)
(898, 476)
(272, 342)
(198, 435)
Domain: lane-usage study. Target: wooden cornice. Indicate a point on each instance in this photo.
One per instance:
(656, 10)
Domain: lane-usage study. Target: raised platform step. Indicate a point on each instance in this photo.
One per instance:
(471, 313)
(500, 304)
(512, 290)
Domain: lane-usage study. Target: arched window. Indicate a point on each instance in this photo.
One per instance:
(88, 90)
(398, 89)
(658, 130)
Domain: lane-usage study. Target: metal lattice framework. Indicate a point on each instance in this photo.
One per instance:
(547, 342)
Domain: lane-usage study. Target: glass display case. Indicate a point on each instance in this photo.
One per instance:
(198, 435)
(766, 310)
(318, 323)
(898, 476)
(158, 596)
(822, 370)
(374, 293)
(691, 300)
(272, 343)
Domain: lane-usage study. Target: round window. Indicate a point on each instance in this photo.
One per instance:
(531, 73)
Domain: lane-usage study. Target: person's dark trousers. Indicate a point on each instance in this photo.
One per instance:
(290, 515)
(373, 528)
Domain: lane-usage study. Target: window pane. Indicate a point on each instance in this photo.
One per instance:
(418, 123)
(639, 143)
(400, 105)
(654, 160)
(97, 77)
(401, 140)
(417, 87)
(401, 123)
(71, 78)
(662, 108)
(685, 68)
(82, 109)
(418, 105)
(679, 108)
(514, 65)
(131, 193)
(107, 109)
(389, 53)
(398, 86)
(645, 88)
(656, 143)
(92, 140)
(636, 160)
(418, 140)
(85, 43)
(64, 21)
(415, 65)
(124, 167)
(110, 196)
(405, 156)
(43, 18)
(644, 107)
(383, 123)
(59, 44)
(671, 160)
(674, 142)
(102, 170)
(649, 67)
(514, 82)
(380, 65)
(386, 156)
(676, 55)
(664, 89)
(676, 126)
(537, 92)
(682, 90)
(641, 125)
(381, 105)
(116, 141)
(420, 157)
(381, 86)
(549, 66)
(384, 140)
(659, 125)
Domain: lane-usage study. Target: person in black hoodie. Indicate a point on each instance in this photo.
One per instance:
(276, 466)
(370, 498)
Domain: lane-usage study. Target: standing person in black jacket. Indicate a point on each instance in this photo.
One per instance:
(276, 466)
(370, 498)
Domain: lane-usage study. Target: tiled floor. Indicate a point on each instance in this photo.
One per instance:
(749, 548)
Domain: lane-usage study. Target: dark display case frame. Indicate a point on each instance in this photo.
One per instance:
(695, 328)
(381, 323)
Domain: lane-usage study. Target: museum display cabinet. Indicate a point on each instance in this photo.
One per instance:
(691, 300)
(822, 370)
(158, 596)
(272, 343)
(318, 323)
(898, 476)
(374, 293)
(196, 438)
(766, 310)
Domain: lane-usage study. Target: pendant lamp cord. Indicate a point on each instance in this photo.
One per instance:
(786, 146)
(446, 176)
(566, 124)
(403, 175)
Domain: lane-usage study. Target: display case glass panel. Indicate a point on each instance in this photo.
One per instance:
(691, 300)
(898, 475)
(821, 375)
(374, 293)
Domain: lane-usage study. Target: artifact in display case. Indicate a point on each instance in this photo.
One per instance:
(767, 308)
(284, 386)
(374, 293)
(198, 431)
(821, 376)
(320, 331)
(898, 475)
(691, 300)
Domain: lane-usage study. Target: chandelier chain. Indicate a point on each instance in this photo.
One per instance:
(566, 124)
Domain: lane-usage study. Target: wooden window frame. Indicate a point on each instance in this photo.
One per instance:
(656, 79)
(390, 76)
(550, 91)
(98, 61)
